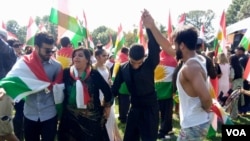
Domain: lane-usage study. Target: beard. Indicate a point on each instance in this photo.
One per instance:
(43, 57)
(178, 54)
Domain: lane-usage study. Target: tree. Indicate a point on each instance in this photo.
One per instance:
(12, 26)
(103, 33)
(130, 38)
(162, 29)
(244, 10)
(233, 10)
(21, 34)
(198, 17)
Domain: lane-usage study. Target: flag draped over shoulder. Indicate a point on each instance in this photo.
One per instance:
(245, 41)
(26, 77)
(68, 25)
(163, 76)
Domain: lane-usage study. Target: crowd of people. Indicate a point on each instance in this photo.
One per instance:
(88, 83)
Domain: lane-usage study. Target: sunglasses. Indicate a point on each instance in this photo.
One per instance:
(48, 50)
(16, 45)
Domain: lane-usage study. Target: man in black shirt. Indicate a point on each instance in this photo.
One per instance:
(243, 59)
(138, 74)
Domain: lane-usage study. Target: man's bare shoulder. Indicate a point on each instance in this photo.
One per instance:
(193, 66)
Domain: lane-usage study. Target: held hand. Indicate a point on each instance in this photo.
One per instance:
(147, 19)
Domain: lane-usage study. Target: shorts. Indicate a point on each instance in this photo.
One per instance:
(6, 109)
(195, 133)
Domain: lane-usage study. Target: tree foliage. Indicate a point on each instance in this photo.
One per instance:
(197, 18)
(102, 33)
(244, 10)
(234, 10)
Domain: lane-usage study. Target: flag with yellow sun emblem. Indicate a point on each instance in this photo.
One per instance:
(64, 56)
(163, 76)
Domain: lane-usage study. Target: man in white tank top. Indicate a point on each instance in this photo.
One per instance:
(192, 86)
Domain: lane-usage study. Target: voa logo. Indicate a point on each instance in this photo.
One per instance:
(236, 132)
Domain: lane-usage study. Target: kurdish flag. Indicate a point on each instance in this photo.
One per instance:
(218, 113)
(109, 45)
(26, 78)
(68, 24)
(140, 36)
(220, 39)
(32, 29)
(120, 40)
(10, 35)
(163, 76)
(245, 41)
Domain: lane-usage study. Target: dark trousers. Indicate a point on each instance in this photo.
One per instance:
(142, 124)
(166, 115)
(18, 120)
(46, 130)
(245, 108)
(124, 104)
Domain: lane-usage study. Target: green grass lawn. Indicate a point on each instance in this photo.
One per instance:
(176, 125)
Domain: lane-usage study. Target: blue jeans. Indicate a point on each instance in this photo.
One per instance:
(195, 133)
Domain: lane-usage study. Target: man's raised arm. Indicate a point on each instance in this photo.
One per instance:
(149, 23)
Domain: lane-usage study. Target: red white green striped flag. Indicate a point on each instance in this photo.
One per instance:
(220, 39)
(10, 35)
(202, 32)
(109, 45)
(245, 41)
(68, 24)
(26, 78)
(88, 41)
(32, 29)
(42, 27)
(120, 40)
(182, 20)
(219, 113)
(140, 36)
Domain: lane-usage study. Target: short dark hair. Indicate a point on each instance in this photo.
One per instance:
(65, 41)
(124, 50)
(136, 51)
(43, 37)
(99, 50)
(188, 35)
(241, 48)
